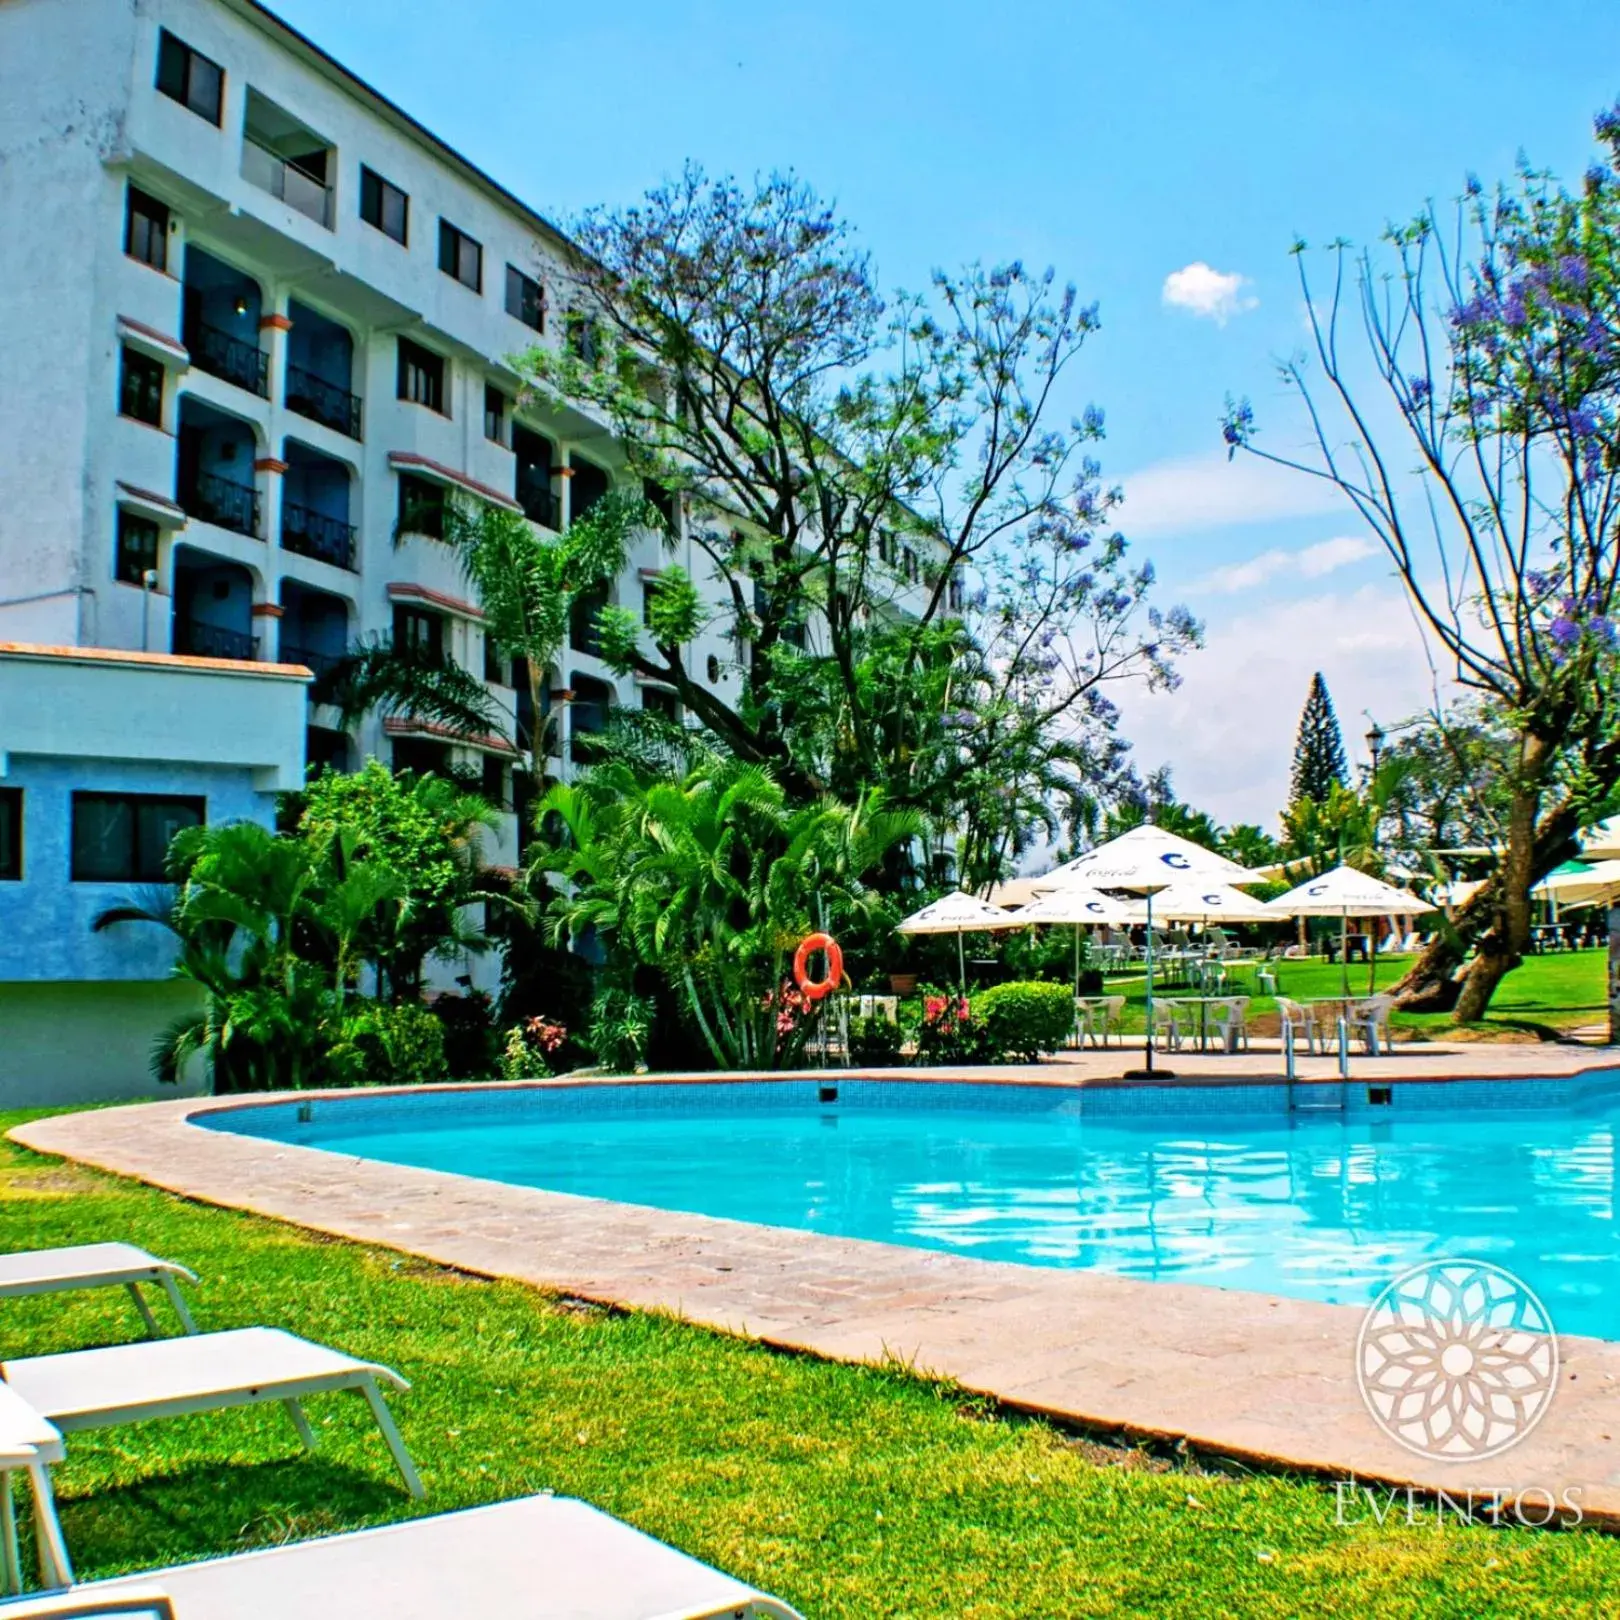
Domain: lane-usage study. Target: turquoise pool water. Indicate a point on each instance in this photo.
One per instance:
(1220, 1186)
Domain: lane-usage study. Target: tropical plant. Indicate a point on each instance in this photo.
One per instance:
(712, 880)
(525, 582)
(281, 931)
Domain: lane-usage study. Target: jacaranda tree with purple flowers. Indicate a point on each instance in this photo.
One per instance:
(912, 545)
(1463, 392)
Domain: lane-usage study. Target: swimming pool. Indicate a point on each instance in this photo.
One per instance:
(1220, 1185)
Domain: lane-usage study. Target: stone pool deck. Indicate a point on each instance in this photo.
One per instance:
(1250, 1376)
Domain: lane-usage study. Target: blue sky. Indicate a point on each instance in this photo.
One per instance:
(1121, 143)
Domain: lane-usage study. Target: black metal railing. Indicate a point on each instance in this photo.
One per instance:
(233, 358)
(323, 401)
(223, 501)
(317, 663)
(213, 641)
(539, 504)
(314, 534)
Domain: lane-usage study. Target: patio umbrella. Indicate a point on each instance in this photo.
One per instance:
(958, 914)
(1206, 903)
(1602, 842)
(1577, 884)
(1147, 860)
(1075, 906)
(1345, 893)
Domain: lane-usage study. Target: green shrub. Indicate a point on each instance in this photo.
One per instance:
(951, 1032)
(384, 1045)
(1024, 1020)
(874, 1043)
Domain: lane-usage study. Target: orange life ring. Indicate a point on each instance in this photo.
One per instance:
(817, 988)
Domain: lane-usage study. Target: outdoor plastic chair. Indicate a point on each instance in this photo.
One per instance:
(97, 1265)
(1266, 980)
(1168, 1030)
(1370, 1020)
(1291, 1015)
(202, 1372)
(538, 1555)
(1230, 1019)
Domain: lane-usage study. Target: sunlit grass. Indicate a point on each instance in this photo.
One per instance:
(850, 1491)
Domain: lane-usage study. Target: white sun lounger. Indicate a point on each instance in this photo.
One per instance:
(538, 1558)
(204, 1372)
(96, 1265)
(29, 1445)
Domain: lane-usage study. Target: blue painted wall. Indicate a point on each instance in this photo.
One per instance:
(45, 919)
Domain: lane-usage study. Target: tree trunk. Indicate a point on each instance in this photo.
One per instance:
(1494, 923)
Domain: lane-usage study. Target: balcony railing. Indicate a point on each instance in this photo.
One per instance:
(213, 641)
(233, 358)
(539, 505)
(317, 663)
(314, 534)
(224, 502)
(323, 401)
(263, 168)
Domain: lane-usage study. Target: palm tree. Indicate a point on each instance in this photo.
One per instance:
(525, 583)
(712, 880)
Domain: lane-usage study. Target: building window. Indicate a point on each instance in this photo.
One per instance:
(146, 229)
(494, 414)
(909, 566)
(10, 835)
(494, 665)
(419, 633)
(421, 506)
(421, 376)
(649, 595)
(524, 299)
(190, 78)
(460, 256)
(137, 547)
(384, 205)
(124, 837)
(140, 388)
(661, 701)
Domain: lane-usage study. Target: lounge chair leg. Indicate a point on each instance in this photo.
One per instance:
(301, 1424)
(55, 1567)
(10, 1558)
(172, 1289)
(390, 1433)
(152, 1329)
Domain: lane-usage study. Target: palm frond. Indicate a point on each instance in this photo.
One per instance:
(397, 681)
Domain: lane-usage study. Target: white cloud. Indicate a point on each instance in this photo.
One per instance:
(1228, 732)
(1210, 492)
(1216, 295)
(1308, 562)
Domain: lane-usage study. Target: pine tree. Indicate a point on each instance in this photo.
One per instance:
(1319, 762)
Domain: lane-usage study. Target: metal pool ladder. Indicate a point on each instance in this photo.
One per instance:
(1331, 1102)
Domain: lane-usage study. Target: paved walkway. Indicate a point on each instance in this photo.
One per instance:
(1247, 1375)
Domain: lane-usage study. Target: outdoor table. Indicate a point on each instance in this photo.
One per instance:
(1203, 1004)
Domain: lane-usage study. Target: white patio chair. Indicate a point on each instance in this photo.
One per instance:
(204, 1372)
(881, 1006)
(1168, 1029)
(1291, 1015)
(1370, 1020)
(538, 1558)
(96, 1265)
(1265, 979)
(29, 1445)
(1230, 1019)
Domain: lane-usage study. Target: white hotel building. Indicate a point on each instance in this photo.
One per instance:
(252, 315)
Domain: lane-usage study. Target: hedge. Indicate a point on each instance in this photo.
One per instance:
(1023, 1020)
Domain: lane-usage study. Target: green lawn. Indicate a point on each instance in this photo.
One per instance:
(850, 1491)
(1560, 991)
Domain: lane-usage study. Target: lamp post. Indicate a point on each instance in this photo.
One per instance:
(1375, 748)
